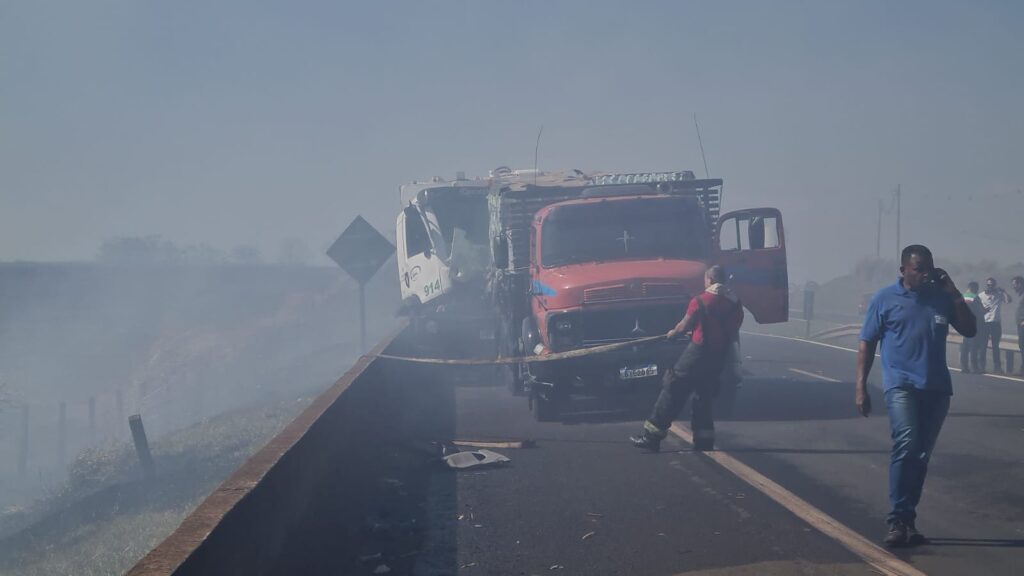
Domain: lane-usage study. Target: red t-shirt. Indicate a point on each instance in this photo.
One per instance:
(723, 317)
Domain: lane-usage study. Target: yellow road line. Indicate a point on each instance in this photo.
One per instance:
(874, 555)
(813, 375)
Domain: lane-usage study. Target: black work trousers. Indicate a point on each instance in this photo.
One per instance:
(991, 331)
(696, 374)
(1020, 346)
(971, 351)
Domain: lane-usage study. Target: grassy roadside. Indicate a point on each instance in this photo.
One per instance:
(105, 517)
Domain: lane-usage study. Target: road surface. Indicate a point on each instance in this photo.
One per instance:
(584, 501)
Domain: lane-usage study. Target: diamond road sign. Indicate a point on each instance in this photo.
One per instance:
(361, 250)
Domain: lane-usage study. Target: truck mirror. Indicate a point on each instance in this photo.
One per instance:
(755, 232)
(499, 251)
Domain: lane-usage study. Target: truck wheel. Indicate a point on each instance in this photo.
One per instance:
(725, 402)
(544, 405)
(513, 380)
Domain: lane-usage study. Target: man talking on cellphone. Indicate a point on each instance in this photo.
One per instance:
(911, 319)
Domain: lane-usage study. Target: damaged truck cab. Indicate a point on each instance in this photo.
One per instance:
(444, 260)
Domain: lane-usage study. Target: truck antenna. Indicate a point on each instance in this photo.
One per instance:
(536, 149)
(700, 141)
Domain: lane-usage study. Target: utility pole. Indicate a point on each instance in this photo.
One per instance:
(878, 236)
(899, 201)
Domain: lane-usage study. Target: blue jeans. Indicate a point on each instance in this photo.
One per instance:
(915, 418)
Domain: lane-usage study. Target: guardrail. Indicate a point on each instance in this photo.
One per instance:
(1008, 344)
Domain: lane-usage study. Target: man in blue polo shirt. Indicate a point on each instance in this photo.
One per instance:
(911, 319)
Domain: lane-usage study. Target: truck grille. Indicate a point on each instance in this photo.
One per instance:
(604, 326)
(623, 292)
(662, 290)
(605, 294)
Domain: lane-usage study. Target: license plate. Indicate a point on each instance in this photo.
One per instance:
(630, 373)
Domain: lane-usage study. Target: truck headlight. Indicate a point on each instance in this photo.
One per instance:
(563, 331)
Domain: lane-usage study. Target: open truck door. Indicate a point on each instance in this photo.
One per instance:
(752, 247)
(419, 268)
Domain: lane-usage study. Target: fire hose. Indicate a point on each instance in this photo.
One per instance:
(536, 358)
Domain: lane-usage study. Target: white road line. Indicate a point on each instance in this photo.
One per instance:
(877, 557)
(805, 341)
(799, 340)
(813, 375)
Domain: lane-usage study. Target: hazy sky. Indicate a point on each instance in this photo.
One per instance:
(252, 121)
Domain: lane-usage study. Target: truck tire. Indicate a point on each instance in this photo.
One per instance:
(545, 406)
(725, 403)
(512, 379)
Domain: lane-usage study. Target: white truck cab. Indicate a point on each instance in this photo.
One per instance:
(442, 238)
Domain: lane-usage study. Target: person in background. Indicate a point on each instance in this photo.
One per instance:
(971, 349)
(1018, 287)
(911, 319)
(992, 299)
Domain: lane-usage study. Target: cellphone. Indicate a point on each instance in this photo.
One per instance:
(938, 277)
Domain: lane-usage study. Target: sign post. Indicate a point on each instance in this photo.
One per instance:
(361, 250)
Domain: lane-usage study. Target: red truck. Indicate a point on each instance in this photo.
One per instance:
(579, 260)
(586, 260)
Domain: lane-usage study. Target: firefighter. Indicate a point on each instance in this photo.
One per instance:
(714, 317)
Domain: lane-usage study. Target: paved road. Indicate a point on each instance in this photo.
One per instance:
(585, 502)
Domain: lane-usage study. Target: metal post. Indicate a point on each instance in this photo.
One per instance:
(23, 447)
(119, 407)
(62, 428)
(362, 316)
(141, 444)
(92, 420)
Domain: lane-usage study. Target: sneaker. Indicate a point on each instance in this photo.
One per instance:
(915, 538)
(647, 442)
(897, 536)
(703, 445)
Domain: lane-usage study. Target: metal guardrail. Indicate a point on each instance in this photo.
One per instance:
(1008, 344)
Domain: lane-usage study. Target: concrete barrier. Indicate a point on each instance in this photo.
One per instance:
(299, 504)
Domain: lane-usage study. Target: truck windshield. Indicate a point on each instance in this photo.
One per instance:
(635, 229)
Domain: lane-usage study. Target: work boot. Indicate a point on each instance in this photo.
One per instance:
(647, 442)
(704, 445)
(915, 538)
(649, 438)
(898, 535)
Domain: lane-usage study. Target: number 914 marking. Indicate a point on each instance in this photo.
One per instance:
(432, 288)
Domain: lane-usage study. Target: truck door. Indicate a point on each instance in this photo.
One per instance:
(419, 268)
(751, 245)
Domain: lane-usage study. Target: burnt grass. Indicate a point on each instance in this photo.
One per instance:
(106, 516)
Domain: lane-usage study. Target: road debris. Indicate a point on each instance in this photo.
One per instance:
(381, 569)
(470, 565)
(556, 567)
(369, 557)
(595, 515)
(511, 444)
(588, 535)
(463, 460)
